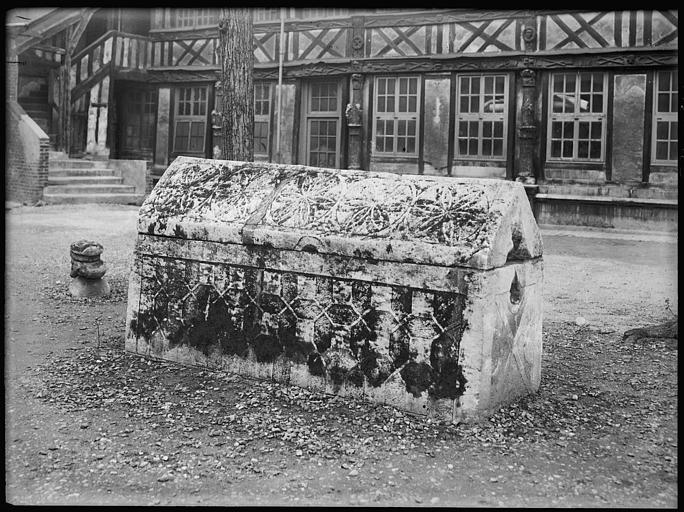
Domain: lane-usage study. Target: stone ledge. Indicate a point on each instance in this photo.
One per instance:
(630, 201)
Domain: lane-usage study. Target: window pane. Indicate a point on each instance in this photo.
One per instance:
(556, 130)
(498, 147)
(663, 102)
(595, 150)
(664, 81)
(498, 129)
(181, 138)
(412, 104)
(402, 104)
(413, 86)
(596, 130)
(661, 150)
(486, 147)
(567, 149)
(568, 130)
(488, 85)
(462, 146)
(597, 105)
(382, 85)
(487, 129)
(555, 149)
(583, 149)
(585, 82)
(583, 130)
(465, 104)
(390, 104)
(662, 131)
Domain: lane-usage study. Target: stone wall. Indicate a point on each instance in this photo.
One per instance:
(26, 166)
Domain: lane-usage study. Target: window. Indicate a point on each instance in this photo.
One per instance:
(665, 124)
(306, 13)
(272, 14)
(577, 107)
(323, 124)
(262, 117)
(481, 116)
(191, 18)
(396, 115)
(190, 120)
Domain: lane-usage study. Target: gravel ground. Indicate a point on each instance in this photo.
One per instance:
(87, 423)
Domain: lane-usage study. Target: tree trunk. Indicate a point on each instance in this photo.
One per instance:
(236, 52)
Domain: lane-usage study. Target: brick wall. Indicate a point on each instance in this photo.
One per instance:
(26, 166)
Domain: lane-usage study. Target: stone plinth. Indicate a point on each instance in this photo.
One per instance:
(419, 292)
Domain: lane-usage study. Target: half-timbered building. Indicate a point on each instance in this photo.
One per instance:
(579, 105)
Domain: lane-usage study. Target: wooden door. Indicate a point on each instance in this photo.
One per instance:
(137, 117)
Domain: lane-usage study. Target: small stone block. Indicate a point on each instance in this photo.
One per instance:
(82, 287)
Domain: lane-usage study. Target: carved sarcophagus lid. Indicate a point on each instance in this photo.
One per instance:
(419, 292)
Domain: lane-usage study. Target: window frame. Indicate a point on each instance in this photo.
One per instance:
(190, 118)
(481, 117)
(670, 117)
(576, 118)
(322, 115)
(169, 19)
(397, 116)
(261, 118)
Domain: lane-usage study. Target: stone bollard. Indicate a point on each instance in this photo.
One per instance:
(87, 270)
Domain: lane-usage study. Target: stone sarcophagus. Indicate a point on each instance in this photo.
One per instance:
(420, 292)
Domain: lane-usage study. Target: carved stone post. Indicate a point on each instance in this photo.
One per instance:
(353, 113)
(527, 131)
(216, 122)
(87, 270)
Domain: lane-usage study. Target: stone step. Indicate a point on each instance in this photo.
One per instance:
(83, 172)
(629, 213)
(637, 191)
(51, 198)
(89, 189)
(73, 163)
(57, 155)
(35, 104)
(84, 180)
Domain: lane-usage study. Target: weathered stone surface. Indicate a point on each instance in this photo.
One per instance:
(423, 293)
(85, 260)
(82, 287)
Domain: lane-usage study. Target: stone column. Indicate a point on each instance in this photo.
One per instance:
(353, 114)
(527, 129)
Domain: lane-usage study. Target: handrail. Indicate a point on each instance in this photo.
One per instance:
(94, 44)
(104, 37)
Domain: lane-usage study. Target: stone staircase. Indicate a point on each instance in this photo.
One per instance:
(35, 104)
(77, 181)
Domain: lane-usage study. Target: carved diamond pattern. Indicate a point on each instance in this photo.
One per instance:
(289, 312)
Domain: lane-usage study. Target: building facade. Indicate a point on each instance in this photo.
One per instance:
(575, 104)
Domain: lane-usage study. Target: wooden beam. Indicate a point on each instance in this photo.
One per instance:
(49, 48)
(78, 31)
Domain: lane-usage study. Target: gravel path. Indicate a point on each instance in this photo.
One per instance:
(87, 423)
